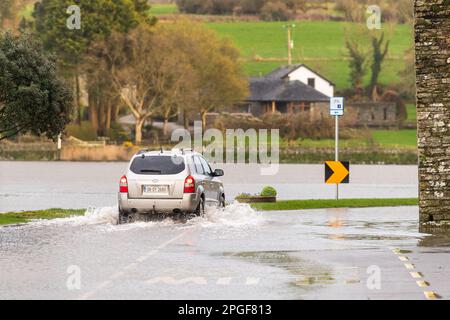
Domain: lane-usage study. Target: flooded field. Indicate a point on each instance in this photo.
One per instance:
(43, 185)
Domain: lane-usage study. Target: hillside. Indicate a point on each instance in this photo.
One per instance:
(319, 44)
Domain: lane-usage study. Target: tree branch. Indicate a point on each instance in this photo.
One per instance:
(12, 134)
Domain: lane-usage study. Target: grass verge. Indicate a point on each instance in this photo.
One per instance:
(27, 216)
(329, 203)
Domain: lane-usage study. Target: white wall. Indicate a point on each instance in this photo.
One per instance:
(302, 74)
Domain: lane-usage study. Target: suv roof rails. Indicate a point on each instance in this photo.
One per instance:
(182, 150)
(142, 151)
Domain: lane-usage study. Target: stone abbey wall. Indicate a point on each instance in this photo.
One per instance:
(432, 44)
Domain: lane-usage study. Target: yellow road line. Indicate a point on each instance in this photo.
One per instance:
(416, 275)
(403, 258)
(430, 295)
(422, 283)
(409, 266)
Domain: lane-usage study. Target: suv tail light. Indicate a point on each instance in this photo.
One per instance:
(123, 185)
(189, 185)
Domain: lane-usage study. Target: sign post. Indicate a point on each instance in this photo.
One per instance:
(336, 110)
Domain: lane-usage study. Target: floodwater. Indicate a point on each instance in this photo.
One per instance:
(43, 185)
(231, 253)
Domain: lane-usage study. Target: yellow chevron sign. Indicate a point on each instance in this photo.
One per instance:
(337, 172)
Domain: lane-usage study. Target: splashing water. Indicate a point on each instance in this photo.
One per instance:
(235, 215)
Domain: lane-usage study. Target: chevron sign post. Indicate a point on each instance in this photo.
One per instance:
(337, 172)
(336, 110)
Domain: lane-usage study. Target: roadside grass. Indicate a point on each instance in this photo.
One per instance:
(27, 216)
(330, 203)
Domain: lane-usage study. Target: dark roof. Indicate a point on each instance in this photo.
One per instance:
(273, 89)
(283, 72)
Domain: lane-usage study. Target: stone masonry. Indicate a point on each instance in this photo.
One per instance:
(432, 44)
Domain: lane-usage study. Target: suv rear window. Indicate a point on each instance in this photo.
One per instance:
(154, 165)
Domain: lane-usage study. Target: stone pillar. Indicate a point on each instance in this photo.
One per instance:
(432, 44)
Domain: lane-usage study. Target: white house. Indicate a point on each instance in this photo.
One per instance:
(304, 74)
(292, 88)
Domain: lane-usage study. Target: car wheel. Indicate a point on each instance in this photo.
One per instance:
(222, 201)
(123, 217)
(200, 211)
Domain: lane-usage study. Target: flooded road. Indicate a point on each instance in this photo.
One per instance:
(235, 253)
(231, 253)
(72, 185)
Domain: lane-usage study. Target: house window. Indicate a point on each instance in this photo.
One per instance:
(303, 106)
(312, 82)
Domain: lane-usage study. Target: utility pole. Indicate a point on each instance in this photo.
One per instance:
(290, 42)
(336, 149)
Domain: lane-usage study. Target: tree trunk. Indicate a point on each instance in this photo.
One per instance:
(138, 131)
(101, 117)
(108, 116)
(93, 113)
(375, 93)
(203, 115)
(165, 126)
(78, 97)
(115, 111)
(185, 120)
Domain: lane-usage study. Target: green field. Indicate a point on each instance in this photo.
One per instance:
(331, 203)
(27, 11)
(405, 138)
(391, 138)
(319, 44)
(411, 111)
(163, 8)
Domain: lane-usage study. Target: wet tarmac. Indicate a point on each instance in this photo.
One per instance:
(236, 253)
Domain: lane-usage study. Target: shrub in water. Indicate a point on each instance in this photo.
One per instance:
(269, 191)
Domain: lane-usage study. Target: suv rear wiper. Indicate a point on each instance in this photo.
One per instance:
(150, 170)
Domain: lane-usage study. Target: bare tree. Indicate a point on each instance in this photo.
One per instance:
(149, 73)
(380, 50)
(218, 80)
(359, 55)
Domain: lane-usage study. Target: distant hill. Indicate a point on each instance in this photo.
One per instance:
(318, 44)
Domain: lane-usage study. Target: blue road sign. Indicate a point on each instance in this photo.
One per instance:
(337, 106)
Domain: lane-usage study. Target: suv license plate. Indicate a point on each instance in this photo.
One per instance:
(155, 189)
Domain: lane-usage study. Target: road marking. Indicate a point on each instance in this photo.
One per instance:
(430, 295)
(130, 266)
(422, 283)
(224, 281)
(101, 286)
(416, 275)
(118, 274)
(409, 266)
(251, 281)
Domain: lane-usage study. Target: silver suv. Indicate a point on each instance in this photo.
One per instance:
(176, 182)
